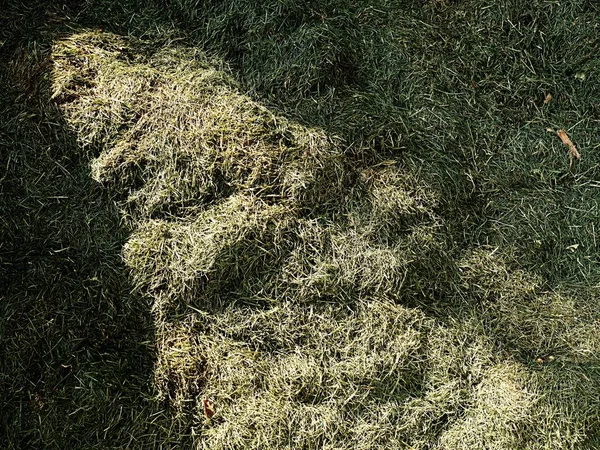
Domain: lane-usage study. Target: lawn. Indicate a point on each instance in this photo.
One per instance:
(300, 224)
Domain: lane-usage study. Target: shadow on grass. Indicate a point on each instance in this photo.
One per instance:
(63, 246)
(76, 344)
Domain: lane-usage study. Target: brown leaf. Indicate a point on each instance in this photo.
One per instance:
(548, 98)
(564, 137)
(209, 409)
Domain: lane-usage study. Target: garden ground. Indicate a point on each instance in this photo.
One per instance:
(345, 224)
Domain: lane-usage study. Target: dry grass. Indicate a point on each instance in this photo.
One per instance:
(344, 224)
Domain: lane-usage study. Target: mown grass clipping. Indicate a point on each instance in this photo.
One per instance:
(353, 223)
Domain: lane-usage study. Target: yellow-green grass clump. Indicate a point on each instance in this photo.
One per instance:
(177, 134)
(317, 301)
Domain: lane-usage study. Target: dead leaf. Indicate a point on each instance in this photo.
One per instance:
(209, 409)
(548, 98)
(564, 137)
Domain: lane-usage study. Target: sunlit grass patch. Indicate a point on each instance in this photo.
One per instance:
(346, 224)
(314, 297)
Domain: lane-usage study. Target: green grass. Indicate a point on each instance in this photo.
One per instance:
(344, 223)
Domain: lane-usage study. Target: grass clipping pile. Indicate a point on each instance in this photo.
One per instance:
(280, 275)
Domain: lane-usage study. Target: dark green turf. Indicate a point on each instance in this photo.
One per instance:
(348, 224)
